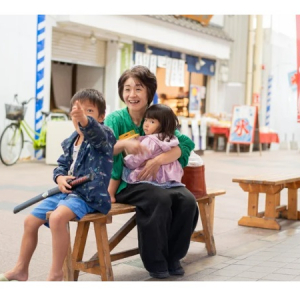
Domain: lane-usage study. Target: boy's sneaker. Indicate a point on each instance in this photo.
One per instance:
(176, 269)
(160, 274)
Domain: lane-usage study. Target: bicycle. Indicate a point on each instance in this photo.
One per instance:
(12, 138)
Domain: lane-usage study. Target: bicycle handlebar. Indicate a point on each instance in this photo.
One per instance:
(23, 103)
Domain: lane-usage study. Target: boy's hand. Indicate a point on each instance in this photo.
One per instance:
(78, 114)
(133, 146)
(62, 182)
(113, 199)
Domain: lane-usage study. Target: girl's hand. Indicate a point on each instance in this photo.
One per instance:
(62, 182)
(78, 114)
(150, 170)
(133, 146)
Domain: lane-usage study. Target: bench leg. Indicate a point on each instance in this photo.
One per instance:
(207, 231)
(211, 207)
(79, 244)
(103, 251)
(67, 267)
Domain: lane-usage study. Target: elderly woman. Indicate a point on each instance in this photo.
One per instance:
(166, 217)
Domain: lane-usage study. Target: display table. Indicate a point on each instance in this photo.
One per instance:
(268, 137)
(264, 137)
(219, 131)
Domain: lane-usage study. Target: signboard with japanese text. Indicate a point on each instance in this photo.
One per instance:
(243, 124)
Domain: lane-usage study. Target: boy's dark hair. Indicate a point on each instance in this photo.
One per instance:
(142, 74)
(94, 96)
(166, 117)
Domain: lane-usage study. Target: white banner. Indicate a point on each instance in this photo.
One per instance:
(168, 70)
(139, 58)
(161, 61)
(174, 73)
(153, 64)
(146, 60)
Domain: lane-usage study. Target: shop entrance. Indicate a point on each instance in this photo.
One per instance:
(179, 97)
(78, 61)
(67, 78)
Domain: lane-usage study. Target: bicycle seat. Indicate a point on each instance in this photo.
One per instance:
(46, 114)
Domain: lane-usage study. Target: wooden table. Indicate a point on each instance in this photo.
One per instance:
(271, 185)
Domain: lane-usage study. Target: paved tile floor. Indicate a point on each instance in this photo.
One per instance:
(243, 253)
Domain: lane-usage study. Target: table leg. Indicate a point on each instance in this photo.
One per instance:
(292, 204)
(252, 204)
(268, 218)
(292, 210)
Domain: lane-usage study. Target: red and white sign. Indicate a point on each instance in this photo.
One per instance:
(243, 124)
(298, 66)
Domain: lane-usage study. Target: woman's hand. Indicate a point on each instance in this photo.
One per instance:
(63, 185)
(133, 146)
(150, 170)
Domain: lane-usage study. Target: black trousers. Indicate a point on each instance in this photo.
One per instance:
(166, 219)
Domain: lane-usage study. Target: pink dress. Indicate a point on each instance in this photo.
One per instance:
(171, 172)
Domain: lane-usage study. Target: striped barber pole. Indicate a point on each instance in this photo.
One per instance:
(39, 88)
(268, 106)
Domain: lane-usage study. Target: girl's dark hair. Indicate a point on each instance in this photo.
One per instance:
(166, 117)
(142, 74)
(94, 96)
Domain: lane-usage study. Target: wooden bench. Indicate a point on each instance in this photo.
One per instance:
(100, 263)
(271, 185)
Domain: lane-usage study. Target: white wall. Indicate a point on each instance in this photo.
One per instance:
(18, 59)
(283, 117)
(90, 77)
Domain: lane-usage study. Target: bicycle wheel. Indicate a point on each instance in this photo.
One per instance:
(11, 144)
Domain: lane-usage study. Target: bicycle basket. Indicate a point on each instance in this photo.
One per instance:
(15, 112)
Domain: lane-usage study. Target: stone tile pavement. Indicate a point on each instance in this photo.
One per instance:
(243, 253)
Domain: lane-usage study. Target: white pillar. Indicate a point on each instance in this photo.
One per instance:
(248, 99)
(258, 57)
(112, 74)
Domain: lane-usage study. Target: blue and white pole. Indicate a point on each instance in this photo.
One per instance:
(268, 106)
(39, 88)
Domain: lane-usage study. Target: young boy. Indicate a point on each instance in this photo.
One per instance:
(88, 149)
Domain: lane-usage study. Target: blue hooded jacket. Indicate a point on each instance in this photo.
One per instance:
(95, 156)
